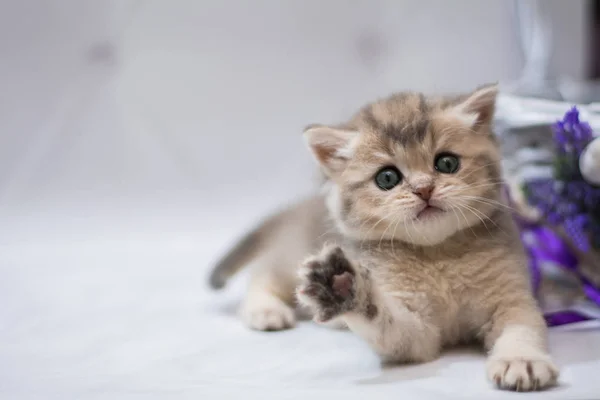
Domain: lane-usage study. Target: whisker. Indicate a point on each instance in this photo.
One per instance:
(489, 202)
(467, 222)
(384, 232)
(373, 227)
(367, 220)
(475, 213)
(393, 236)
(488, 218)
(408, 232)
(472, 186)
(478, 169)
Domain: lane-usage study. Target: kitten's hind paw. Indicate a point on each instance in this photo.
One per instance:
(265, 312)
(327, 284)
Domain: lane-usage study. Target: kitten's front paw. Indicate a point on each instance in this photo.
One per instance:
(522, 374)
(327, 284)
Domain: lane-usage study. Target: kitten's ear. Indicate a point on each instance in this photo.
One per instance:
(332, 147)
(477, 109)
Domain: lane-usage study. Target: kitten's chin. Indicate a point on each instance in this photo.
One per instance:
(428, 213)
(429, 231)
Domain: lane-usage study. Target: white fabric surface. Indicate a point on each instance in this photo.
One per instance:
(123, 318)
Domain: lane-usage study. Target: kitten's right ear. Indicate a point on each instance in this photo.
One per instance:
(332, 147)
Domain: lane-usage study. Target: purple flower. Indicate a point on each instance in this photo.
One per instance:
(572, 116)
(570, 134)
(569, 203)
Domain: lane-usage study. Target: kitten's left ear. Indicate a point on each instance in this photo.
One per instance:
(477, 109)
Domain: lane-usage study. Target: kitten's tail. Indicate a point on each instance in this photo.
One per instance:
(242, 254)
(295, 225)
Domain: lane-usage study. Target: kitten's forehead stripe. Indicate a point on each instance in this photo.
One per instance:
(370, 120)
(403, 118)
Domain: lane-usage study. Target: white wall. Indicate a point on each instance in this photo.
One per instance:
(137, 115)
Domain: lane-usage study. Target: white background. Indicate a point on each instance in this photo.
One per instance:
(138, 139)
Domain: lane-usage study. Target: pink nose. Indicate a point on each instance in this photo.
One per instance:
(424, 192)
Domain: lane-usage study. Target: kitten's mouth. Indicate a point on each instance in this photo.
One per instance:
(428, 212)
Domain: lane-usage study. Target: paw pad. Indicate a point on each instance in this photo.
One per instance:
(328, 284)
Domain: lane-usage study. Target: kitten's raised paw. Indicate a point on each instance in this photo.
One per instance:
(521, 374)
(327, 284)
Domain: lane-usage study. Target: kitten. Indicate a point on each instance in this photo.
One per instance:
(429, 257)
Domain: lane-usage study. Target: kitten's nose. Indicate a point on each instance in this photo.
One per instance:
(423, 192)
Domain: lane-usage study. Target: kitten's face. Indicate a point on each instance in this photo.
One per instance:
(412, 168)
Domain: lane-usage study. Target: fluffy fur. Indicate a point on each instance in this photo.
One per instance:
(434, 261)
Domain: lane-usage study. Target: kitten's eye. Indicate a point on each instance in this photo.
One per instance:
(388, 178)
(447, 163)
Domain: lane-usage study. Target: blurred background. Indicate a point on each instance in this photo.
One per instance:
(129, 116)
(140, 138)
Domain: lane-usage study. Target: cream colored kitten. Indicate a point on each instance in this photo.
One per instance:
(428, 255)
